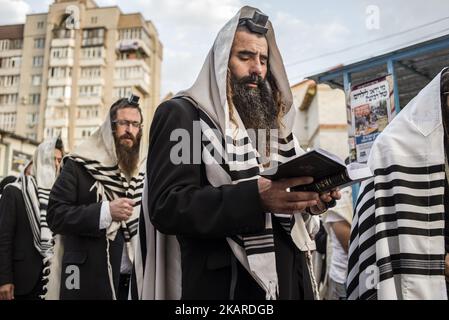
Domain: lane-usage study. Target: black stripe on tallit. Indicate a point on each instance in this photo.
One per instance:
(406, 215)
(371, 294)
(244, 174)
(368, 222)
(410, 231)
(400, 198)
(402, 271)
(370, 261)
(286, 140)
(266, 249)
(409, 170)
(287, 153)
(420, 185)
(368, 188)
(239, 142)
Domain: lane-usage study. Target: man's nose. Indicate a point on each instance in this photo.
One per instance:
(256, 68)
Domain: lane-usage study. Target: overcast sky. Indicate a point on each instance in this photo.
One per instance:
(313, 36)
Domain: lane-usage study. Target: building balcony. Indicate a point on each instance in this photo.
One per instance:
(89, 100)
(91, 82)
(61, 62)
(56, 117)
(89, 122)
(133, 45)
(10, 71)
(56, 122)
(58, 102)
(64, 42)
(9, 90)
(58, 82)
(92, 62)
(133, 63)
(11, 53)
(138, 83)
(8, 108)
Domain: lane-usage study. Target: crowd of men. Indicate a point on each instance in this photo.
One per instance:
(194, 219)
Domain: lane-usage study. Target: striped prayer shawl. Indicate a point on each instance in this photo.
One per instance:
(36, 202)
(110, 184)
(236, 158)
(397, 237)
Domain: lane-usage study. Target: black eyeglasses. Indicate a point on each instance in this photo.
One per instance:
(127, 123)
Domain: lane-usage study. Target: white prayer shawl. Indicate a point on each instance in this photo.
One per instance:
(397, 240)
(238, 162)
(97, 155)
(35, 189)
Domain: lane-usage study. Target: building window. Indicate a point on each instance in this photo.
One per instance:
(31, 136)
(16, 44)
(38, 61)
(9, 81)
(59, 92)
(94, 20)
(61, 53)
(31, 119)
(91, 72)
(93, 37)
(122, 92)
(4, 45)
(90, 91)
(39, 43)
(8, 121)
(87, 112)
(8, 99)
(60, 72)
(40, 25)
(35, 99)
(10, 62)
(36, 80)
(92, 53)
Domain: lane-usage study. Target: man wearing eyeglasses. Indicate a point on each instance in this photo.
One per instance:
(94, 207)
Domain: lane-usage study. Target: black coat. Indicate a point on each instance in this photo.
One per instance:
(20, 262)
(182, 202)
(73, 211)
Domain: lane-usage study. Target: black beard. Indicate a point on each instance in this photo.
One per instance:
(128, 157)
(256, 106)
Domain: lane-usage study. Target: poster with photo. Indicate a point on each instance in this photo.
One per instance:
(371, 111)
(19, 160)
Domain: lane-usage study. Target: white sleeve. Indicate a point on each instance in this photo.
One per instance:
(105, 215)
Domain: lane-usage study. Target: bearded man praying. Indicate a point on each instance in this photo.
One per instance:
(241, 236)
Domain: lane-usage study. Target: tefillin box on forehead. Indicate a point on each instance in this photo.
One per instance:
(256, 24)
(133, 100)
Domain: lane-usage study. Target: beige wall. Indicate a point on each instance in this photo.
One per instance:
(323, 124)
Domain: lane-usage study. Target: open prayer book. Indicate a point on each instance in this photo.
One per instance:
(327, 170)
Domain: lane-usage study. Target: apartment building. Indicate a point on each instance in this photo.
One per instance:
(61, 70)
